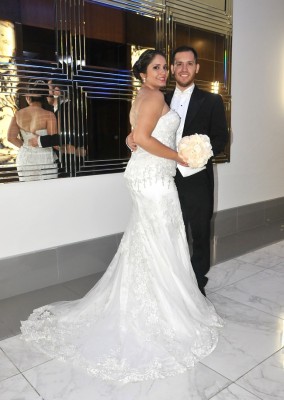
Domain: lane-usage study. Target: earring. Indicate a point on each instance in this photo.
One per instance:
(144, 80)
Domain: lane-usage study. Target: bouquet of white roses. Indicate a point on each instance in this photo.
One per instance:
(195, 150)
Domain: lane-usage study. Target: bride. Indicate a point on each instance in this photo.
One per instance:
(34, 163)
(145, 318)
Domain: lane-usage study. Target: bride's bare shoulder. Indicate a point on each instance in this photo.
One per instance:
(149, 98)
(146, 101)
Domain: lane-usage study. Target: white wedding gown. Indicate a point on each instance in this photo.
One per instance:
(35, 163)
(145, 318)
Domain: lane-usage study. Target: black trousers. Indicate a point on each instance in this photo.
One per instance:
(196, 199)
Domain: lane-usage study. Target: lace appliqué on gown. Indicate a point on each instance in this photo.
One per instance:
(35, 163)
(145, 318)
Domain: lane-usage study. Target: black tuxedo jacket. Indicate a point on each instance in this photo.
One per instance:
(206, 115)
(50, 140)
(65, 116)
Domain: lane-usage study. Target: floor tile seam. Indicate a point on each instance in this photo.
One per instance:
(37, 365)
(234, 383)
(248, 391)
(263, 251)
(246, 265)
(21, 371)
(232, 283)
(40, 396)
(261, 255)
(9, 377)
(230, 381)
(235, 282)
(11, 361)
(256, 366)
(271, 268)
(254, 264)
(261, 266)
(236, 380)
(13, 374)
(238, 259)
(248, 305)
(277, 265)
(254, 394)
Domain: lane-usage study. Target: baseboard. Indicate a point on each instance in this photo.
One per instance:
(239, 230)
(235, 231)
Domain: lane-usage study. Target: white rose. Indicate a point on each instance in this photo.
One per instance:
(195, 150)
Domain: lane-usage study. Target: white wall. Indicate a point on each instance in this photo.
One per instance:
(256, 170)
(39, 215)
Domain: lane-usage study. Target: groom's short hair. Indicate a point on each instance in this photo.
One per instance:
(182, 49)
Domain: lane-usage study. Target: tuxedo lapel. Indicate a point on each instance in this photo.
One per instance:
(195, 103)
(196, 100)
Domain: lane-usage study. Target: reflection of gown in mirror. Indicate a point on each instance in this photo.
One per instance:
(145, 318)
(35, 163)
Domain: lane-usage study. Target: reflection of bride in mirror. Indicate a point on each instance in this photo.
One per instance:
(34, 163)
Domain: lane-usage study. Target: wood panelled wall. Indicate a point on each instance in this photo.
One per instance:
(102, 23)
(38, 13)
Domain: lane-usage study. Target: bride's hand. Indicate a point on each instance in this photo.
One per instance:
(130, 142)
(180, 161)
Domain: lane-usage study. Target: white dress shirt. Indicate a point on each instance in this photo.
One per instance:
(179, 103)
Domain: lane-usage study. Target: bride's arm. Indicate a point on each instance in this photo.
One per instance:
(52, 138)
(51, 124)
(13, 133)
(150, 110)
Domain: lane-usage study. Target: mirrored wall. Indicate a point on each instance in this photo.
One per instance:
(83, 51)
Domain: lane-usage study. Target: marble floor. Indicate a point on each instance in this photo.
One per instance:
(248, 363)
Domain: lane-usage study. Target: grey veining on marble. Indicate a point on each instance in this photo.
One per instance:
(262, 258)
(247, 364)
(54, 381)
(267, 379)
(7, 368)
(22, 354)
(234, 392)
(248, 337)
(263, 291)
(18, 388)
(228, 272)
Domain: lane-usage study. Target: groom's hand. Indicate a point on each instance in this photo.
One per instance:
(33, 141)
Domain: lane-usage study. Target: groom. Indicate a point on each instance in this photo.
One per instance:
(62, 108)
(201, 112)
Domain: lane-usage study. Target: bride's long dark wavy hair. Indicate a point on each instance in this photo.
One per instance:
(143, 61)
